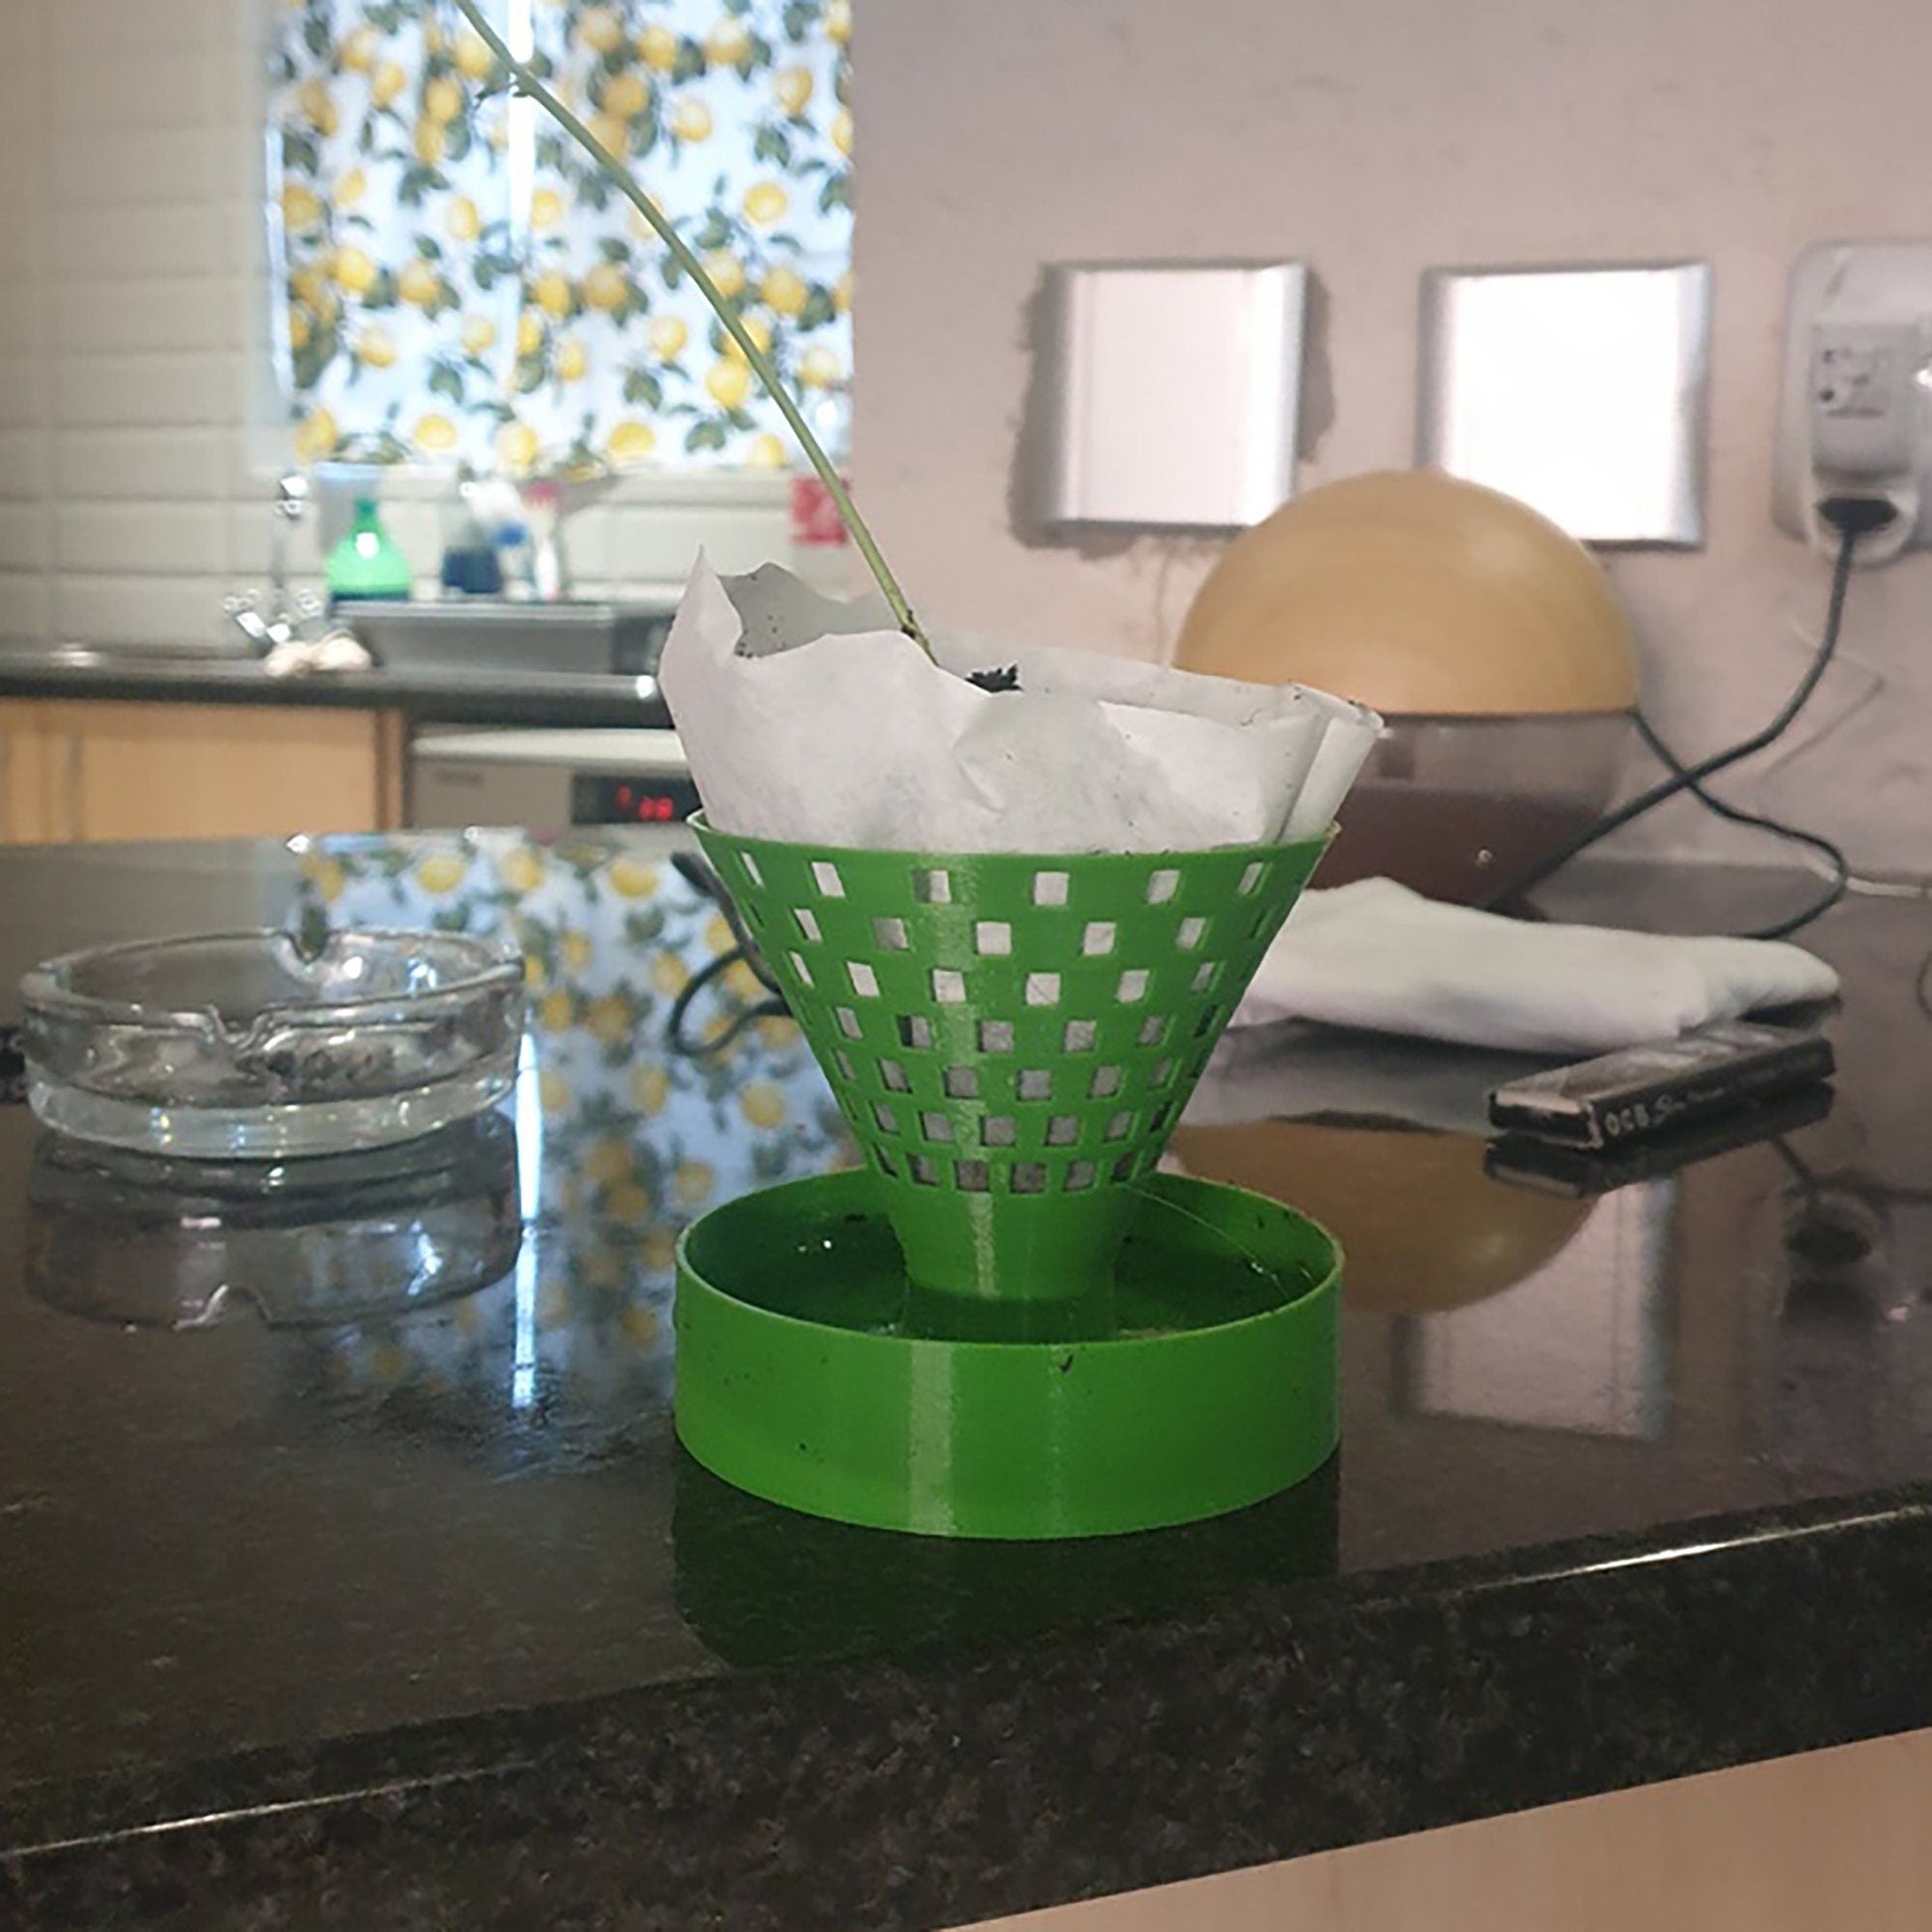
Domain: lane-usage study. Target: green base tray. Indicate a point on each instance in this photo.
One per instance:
(809, 1374)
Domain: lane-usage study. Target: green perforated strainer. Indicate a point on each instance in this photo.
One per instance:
(1010, 1039)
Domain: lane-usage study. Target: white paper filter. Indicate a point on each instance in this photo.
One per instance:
(821, 723)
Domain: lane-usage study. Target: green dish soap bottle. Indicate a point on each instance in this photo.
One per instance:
(367, 563)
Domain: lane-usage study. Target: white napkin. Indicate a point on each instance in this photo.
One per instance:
(1377, 955)
(305, 656)
(810, 719)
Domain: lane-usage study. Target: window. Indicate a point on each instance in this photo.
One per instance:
(455, 279)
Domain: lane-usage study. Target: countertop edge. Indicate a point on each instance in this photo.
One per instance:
(613, 701)
(943, 1788)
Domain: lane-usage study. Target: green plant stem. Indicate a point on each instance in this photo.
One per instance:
(527, 83)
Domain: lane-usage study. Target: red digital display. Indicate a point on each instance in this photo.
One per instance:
(645, 807)
(602, 798)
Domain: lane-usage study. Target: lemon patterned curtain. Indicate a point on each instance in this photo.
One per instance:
(456, 279)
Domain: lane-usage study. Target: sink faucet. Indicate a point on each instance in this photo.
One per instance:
(272, 620)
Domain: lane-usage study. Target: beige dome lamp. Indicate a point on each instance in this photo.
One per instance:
(1489, 639)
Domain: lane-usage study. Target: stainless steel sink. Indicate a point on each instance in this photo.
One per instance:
(481, 638)
(488, 636)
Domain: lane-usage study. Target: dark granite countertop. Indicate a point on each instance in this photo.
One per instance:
(424, 695)
(341, 1604)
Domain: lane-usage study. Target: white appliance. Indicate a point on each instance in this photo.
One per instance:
(548, 779)
(1854, 415)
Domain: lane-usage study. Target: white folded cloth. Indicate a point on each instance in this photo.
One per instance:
(1376, 955)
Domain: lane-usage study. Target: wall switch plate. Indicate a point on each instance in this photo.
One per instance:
(1854, 409)
(1173, 392)
(1579, 390)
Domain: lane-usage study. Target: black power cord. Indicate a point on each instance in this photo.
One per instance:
(1840, 870)
(697, 874)
(1852, 517)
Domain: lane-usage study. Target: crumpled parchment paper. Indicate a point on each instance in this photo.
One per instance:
(815, 721)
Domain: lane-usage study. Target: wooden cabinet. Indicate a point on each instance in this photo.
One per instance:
(1834, 1837)
(78, 770)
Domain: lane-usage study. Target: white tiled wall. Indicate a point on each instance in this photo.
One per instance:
(135, 473)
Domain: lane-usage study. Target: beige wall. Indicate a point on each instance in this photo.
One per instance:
(1375, 138)
(132, 494)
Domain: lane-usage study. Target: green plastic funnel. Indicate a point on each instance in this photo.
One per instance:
(1011, 1037)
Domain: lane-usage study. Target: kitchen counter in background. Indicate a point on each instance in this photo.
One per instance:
(417, 1615)
(443, 697)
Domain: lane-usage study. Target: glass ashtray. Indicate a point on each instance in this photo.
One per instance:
(247, 1045)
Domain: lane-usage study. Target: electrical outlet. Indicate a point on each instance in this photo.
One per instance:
(1864, 398)
(1856, 411)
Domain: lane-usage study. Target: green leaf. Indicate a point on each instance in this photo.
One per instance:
(671, 271)
(614, 248)
(315, 35)
(595, 191)
(550, 152)
(382, 292)
(309, 362)
(459, 139)
(641, 385)
(819, 310)
(836, 193)
(429, 248)
(314, 930)
(799, 17)
(689, 63)
(365, 137)
(771, 145)
(530, 372)
(299, 153)
(705, 436)
(482, 272)
(715, 233)
(494, 407)
(446, 380)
